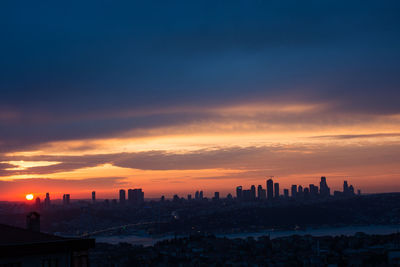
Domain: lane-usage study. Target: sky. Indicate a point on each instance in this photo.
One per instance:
(178, 96)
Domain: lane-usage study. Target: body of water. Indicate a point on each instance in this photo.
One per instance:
(327, 231)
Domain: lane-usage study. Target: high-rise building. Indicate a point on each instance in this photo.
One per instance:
(294, 191)
(324, 190)
(66, 199)
(37, 203)
(247, 195)
(276, 187)
(201, 194)
(306, 193)
(216, 196)
(122, 196)
(351, 190)
(270, 189)
(286, 193)
(313, 191)
(261, 193)
(135, 196)
(253, 192)
(196, 195)
(189, 197)
(93, 197)
(47, 201)
(239, 190)
(345, 188)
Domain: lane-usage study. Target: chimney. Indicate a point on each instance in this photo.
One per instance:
(33, 221)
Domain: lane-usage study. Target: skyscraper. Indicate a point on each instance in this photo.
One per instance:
(261, 193)
(345, 188)
(216, 196)
(276, 186)
(286, 193)
(324, 190)
(294, 191)
(135, 196)
(239, 190)
(37, 203)
(270, 189)
(253, 192)
(47, 201)
(122, 196)
(93, 197)
(66, 199)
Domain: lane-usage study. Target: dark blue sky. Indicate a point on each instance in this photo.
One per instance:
(62, 61)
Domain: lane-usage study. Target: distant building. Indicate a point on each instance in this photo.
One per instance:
(313, 191)
(286, 193)
(216, 196)
(345, 188)
(122, 196)
(47, 201)
(253, 192)
(37, 203)
(93, 197)
(66, 199)
(299, 192)
(189, 197)
(261, 193)
(201, 195)
(247, 195)
(277, 193)
(196, 195)
(324, 190)
(239, 191)
(270, 189)
(294, 191)
(135, 196)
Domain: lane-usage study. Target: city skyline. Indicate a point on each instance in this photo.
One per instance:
(269, 192)
(178, 96)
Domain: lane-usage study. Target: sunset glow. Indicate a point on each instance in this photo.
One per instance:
(211, 102)
(29, 196)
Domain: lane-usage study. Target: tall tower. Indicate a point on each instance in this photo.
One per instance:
(270, 189)
(324, 190)
(93, 197)
(122, 196)
(253, 192)
(276, 186)
(239, 190)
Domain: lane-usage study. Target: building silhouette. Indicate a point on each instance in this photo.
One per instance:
(37, 203)
(239, 192)
(324, 190)
(135, 196)
(93, 197)
(122, 196)
(277, 193)
(286, 193)
(66, 199)
(270, 189)
(261, 193)
(294, 191)
(47, 201)
(253, 192)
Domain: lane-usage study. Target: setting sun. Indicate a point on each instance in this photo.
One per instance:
(29, 196)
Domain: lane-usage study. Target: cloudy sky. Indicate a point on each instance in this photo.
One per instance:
(178, 96)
